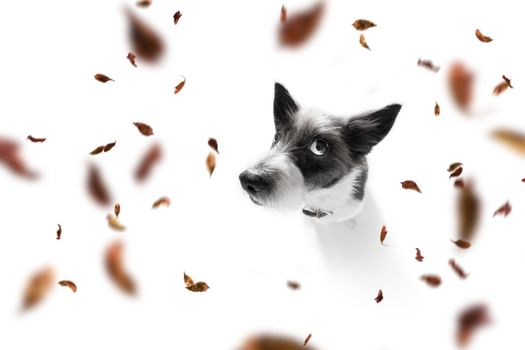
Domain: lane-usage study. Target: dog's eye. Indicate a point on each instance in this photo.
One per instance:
(319, 147)
(277, 137)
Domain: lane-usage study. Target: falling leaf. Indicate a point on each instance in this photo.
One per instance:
(461, 273)
(213, 144)
(10, 156)
(454, 166)
(188, 281)
(109, 146)
(507, 81)
(97, 150)
(482, 37)
(410, 185)
(152, 156)
(469, 320)
(428, 65)
(144, 129)
(161, 201)
(131, 57)
(180, 85)
(363, 24)
(456, 172)
(70, 284)
(437, 110)
(468, 209)
(419, 257)
(293, 285)
(504, 210)
(210, 163)
(383, 234)
(502, 86)
(115, 268)
(459, 183)
(103, 78)
(96, 187)
(300, 26)
(144, 3)
(283, 14)
(461, 243)
(198, 287)
(511, 139)
(38, 287)
(271, 342)
(116, 209)
(59, 231)
(460, 81)
(523, 180)
(35, 139)
(114, 223)
(307, 339)
(176, 17)
(431, 280)
(379, 296)
(362, 41)
(145, 41)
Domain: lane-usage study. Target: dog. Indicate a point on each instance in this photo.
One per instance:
(317, 161)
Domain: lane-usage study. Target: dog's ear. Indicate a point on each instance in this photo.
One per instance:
(365, 131)
(283, 106)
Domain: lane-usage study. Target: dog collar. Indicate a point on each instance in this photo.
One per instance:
(316, 213)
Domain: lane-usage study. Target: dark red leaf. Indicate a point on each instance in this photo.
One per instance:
(379, 296)
(456, 172)
(383, 234)
(469, 321)
(176, 17)
(35, 139)
(410, 185)
(150, 158)
(96, 187)
(458, 269)
(103, 78)
(10, 156)
(461, 244)
(300, 26)
(504, 210)
(145, 41)
(460, 85)
(419, 257)
(431, 280)
(213, 144)
(59, 231)
(131, 57)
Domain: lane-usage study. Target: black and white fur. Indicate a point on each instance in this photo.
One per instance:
(317, 161)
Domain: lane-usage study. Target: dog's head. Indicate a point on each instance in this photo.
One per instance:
(312, 151)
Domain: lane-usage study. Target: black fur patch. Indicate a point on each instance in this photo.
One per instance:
(283, 107)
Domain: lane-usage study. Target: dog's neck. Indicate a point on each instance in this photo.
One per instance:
(340, 202)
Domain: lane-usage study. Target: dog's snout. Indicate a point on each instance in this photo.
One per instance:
(253, 183)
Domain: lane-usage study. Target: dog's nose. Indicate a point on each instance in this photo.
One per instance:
(253, 183)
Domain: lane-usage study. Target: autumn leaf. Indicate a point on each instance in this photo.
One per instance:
(454, 166)
(299, 27)
(461, 244)
(103, 78)
(150, 158)
(116, 209)
(176, 17)
(456, 172)
(482, 38)
(144, 3)
(383, 234)
(362, 41)
(161, 201)
(469, 321)
(144, 129)
(180, 85)
(210, 163)
(213, 144)
(504, 210)
(468, 211)
(307, 339)
(71, 285)
(131, 57)
(410, 185)
(97, 150)
(512, 139)
(145, 41)
(431, 280)
(437, 110)
(198, 287)
(114, 223)
(458, 269)
(283, 14)
(293, 285)
(59, 231)
(460, 81)
(115, 268)
(109, 146)
(10, 157)
(459, 183)
(35, 139)
(363, 24)
(379, 296)
(271, 342)
(37, 288)
(96, 187)
(428, 65)
(419, 257)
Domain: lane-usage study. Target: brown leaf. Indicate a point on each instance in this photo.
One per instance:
(35, 139)
(383, 234)
(500, 88)
(114, 223)
(410, 185)
(152, 156)
(96, 187)
(299, 27)
(188, 281)
(180, 85)
(70, 284)
(456, 172)
(59, 231)
(38, 287)
(523, 180)
(10, 156)
(507, 81)
(210, 162)
(428, 65)
(131, 57)
(469, 320)
(109, 146)
(362, 41)
(176, 17)
(144, 129)
(97, 150)
(504, 210)
(307, 339)
(283, 14)
(437, 110)
(145, 41)
(293, 285)
(198, 287)
(512, 139)
(161, 201)
(431, 280)
(213, 144)
(454, 166)
(459, 183)
(468, 209)
(116, 209)
(115, 268)
(363, 24)
(144, 3)
(271, 342)
(103, 78)
(379, 296)
(461, 243)
(460, 81)
(482, 37)
(461, 273)
(419, 257)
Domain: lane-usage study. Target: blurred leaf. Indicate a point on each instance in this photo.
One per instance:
(35, 139)
(431, 280)
(152, 156)
(460, 81)
(510, 138)
(300, 26)
(145, 41)
(379, 296)
(469, 321)
(38, 287)
(115, 268)
(96, 187)
(428, 65)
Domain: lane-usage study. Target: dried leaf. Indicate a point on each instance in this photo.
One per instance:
(283, 14)
(213, 144)
(145, 41)
(363, 24)
(144, 129)
(176, 17)
(507, 81)
(428, 65)
(114, 223)
(504, 210)
(512, 139)
(71, 285)
(383, 234)
(210, 162)
(144, 3)
(300, 26)
(454, 166)
(103, 78)
(468, 209)
(379, 296)
(419, 257)
(161, 201)
(469, 320)
(10, 156)
(362, 41)
(131, 57)
(271, 342)
(461, 243)
(293, 285)
(97, 150)
(307, 339)
(35, 139)
(152, 156)
(431, 280)
(96, 187)
(461, 273)
(500, 88)
(116, 209)
(437, 110)
(410, 185)
(456, 172)
(180, 85)
(188, 281)
(460, 85)
(38, 287)
(198, 287)
(459, 183)
(59, 231)
(482, 38)
(109, 146)
(115, 268)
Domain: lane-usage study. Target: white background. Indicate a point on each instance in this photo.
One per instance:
(228, 52)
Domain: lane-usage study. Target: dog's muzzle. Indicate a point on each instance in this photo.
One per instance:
(256, 185)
